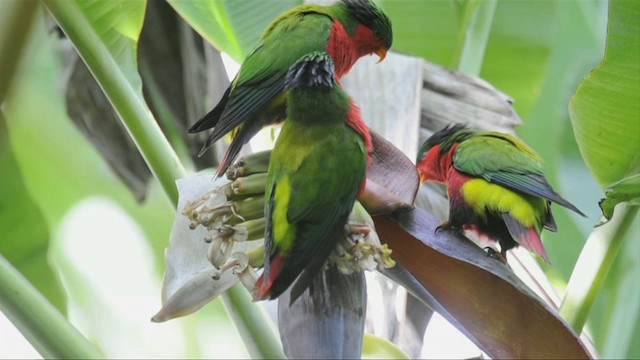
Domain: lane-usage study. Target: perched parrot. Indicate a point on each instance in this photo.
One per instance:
(496, 186)
(346, 31)
(317, 169)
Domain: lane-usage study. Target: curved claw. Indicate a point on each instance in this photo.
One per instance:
(445, 226)
(493, 253)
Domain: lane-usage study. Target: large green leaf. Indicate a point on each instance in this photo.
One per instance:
(118, 24)
(605, 111)
(25, 232)
(605, 114)
(231, 26)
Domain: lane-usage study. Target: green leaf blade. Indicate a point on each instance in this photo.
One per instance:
(118, 24)
(605, 111)
(210, 20)
(625, 190)
(231, 26)
(25, 232)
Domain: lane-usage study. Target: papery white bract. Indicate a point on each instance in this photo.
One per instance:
(190, 280)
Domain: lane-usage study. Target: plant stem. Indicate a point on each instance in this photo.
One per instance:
(593, 266)
(250, 319)
(133, 112)
(474, 35)
(41, 323)
(242, 311)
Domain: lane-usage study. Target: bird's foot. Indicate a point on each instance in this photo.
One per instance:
(493, 253)
(445, 226)
(357, 230)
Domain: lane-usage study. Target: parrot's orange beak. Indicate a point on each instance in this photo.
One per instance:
(423, 174)
(382, 53)
(423, 177)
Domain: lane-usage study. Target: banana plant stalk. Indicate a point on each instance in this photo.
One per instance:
(157, 152)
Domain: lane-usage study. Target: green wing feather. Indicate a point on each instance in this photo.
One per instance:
(503, 159)
(261, 77)
(323, 190)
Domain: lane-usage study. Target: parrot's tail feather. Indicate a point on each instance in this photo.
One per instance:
(550, 222)
(229, 156)
(527, 237)
(264, 285)
(260, 291)
(211, 119)
(241, 136)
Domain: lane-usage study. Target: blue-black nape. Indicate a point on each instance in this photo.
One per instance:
(445, 137)
(311, 70)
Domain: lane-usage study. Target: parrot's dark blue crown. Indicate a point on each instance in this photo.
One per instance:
(446, 138)
(312, 70)
(370, 15)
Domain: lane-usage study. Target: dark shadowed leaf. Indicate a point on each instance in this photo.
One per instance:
(392, 179)
(94, 116)
(175, 69)
(118, 24)
(160, 59)
(506, 319)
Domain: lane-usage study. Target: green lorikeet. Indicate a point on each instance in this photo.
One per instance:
(346, 31)
(496, 186)
(317, 169)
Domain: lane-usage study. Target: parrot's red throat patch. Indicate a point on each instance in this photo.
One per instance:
(341, 49)
(356, 122)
